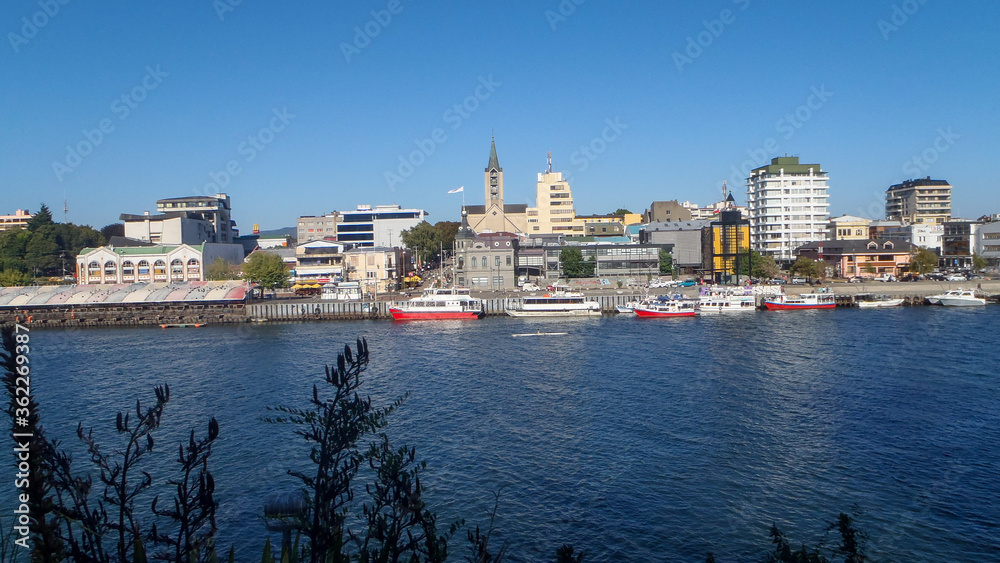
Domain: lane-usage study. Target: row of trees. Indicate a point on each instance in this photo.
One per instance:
(43, 248)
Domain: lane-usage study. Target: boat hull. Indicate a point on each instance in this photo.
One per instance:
(401, 315)
(949, 302)
(648, 314)
(569, 313)
(777, 306)
(879, 304)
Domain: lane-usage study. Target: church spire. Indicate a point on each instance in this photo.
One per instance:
(494, 161)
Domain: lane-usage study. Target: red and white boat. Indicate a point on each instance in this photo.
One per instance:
(438, 304)
(801, 301)
(653, 308)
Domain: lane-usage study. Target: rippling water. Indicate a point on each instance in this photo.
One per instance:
(638, 440)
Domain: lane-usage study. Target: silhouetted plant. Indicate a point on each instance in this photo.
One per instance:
(194, 507)
(565, 555)
(479, 543)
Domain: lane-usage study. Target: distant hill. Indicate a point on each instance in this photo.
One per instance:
(287, 231)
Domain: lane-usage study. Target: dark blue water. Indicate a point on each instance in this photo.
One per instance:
(637, 440)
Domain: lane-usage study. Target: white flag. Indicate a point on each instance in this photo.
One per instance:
(455, 191)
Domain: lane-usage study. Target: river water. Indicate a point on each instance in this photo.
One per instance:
(634, 440)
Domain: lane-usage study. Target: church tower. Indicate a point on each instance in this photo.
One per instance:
(494, 179)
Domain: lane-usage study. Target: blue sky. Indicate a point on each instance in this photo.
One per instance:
(312, 106)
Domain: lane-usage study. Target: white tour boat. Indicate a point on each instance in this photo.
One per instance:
(957, 298)
(818, 300)
(439, 304)
(726, 300)
(558, 304)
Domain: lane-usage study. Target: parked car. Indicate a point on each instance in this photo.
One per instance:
(886, 278)
(688, 283)
(798, 281)
(855, 279)
(911, 277)
(955, 278)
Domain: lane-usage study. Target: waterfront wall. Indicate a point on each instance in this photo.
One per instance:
(155, 314)
(144, 314)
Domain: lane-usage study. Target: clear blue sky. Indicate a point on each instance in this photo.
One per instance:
(197, 85)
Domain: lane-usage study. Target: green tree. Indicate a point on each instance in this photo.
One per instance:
(220, 269)
(113, 230)
(978, 262)
(666, 262)
(763, 267)
(923, 260)
(40, 219)
(621, 211)
(14, 278)
(573, 264)
(447, 231)
(805, 266)
(423, 239)
(42, 253)
(13, 246)
(266, 270)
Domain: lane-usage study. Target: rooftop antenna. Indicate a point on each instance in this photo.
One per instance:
(725, 190)
(550, 161)
(65, 209)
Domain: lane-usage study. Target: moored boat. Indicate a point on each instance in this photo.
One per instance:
(726, 300)
(439, 304)
(869, 301)
(558, 304)
(957, 298)
(655, 308)
(821, 300)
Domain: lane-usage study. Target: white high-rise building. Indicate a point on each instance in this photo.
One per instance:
(787, 204)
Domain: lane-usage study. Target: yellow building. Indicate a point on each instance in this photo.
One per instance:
(18, 220)
(848, 227)
(730, 246)
(496, 216)
(554, 211)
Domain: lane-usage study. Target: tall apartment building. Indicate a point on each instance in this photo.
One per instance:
(788, 207)
(919, 201)
(185, 220)
(216, 210)
(554, 211)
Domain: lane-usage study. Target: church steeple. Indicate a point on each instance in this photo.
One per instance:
(494, 179)
(494, 161)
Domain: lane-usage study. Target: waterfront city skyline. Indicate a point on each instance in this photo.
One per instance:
(296, 110)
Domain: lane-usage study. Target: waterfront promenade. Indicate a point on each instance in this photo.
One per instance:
(291, 308)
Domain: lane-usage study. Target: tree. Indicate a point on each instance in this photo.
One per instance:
(622, 211)
(14, 278)
(423, 239)
(763, 267)
(40, 219)
(573, 264)
(13, 246)
(220, 269)
(805, 266)
(978, 262)
(113, 230)
(666, 262)
(447, 231)
(266, 270)
(923, 260)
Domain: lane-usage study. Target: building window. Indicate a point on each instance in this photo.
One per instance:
(473, 262)
(509, 260)
(160, 268)
(128, 268)
(497, 261)
(194, 267)
(110, 271)
(143, 268)
(486, 263)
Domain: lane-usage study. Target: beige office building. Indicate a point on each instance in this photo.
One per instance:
(919, 201)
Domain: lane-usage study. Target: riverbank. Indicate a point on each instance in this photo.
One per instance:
(314, 309)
